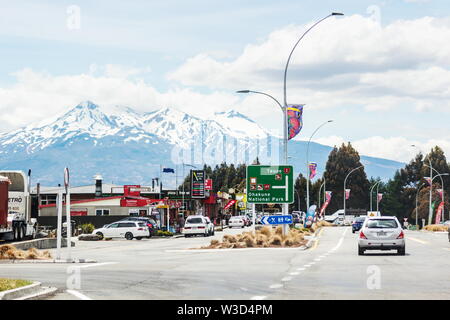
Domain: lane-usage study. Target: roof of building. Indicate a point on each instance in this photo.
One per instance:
(107, 188)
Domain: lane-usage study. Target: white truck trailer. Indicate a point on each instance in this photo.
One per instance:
(18, 224)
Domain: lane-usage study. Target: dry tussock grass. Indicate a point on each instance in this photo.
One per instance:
(9, 252)
(264, 238)
(436, 227)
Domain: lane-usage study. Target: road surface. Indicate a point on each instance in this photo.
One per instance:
(331, 269)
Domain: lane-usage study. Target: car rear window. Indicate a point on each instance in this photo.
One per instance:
(360, 219)
(142, 224)
(195, 220)
(382, 224)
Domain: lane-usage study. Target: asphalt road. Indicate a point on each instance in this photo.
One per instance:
(331, 269)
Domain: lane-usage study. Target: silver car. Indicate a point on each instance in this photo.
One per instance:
(381, 233)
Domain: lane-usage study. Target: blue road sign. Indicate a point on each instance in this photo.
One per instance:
(277, 219)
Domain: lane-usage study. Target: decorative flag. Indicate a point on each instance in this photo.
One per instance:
(312, 170)
(428, 180)
(295, 121)
(439, 211)
(380, 196)
(168, 170)
(326, 203)
(440, 191)
(229, 204)
(430, 215)
(347, 194)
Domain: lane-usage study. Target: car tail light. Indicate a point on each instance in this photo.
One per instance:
(401, 235)
(362, 235)
(149, 225)
(141, 229)
(201, 227)
(187, 227)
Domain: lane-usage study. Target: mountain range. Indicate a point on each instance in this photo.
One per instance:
(128, 147)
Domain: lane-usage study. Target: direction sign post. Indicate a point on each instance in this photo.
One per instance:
(68, 217)
(285, 219)
(270, 184)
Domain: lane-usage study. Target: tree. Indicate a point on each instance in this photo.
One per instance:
(340, 162)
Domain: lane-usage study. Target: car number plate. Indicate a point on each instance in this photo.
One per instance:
(381, 233)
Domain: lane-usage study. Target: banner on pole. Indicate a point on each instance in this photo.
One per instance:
(379, 197)
(312, 170)
(428, 179)
(347, 194)
(440, 192)
(439, 211)
(326, 203)
(294, 118)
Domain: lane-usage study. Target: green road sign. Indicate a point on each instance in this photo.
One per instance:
(270, 184)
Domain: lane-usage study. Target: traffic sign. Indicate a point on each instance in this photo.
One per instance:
(277, 219)
(270, 184)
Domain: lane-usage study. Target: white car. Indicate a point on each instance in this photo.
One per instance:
(381, 233)
(238, 222)
(198, 225)
(123, 229)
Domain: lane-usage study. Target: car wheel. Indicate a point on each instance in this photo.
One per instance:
(401, 251)
(186, 236)
(212, 232)
(206, 234)
(138, 238)
(129, 236)
(360, 251)
(100, 235)
(353, 231)
(242, 226)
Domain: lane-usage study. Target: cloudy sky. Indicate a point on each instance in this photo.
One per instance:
(381, 72)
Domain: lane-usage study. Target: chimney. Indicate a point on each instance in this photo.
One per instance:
(98, 185)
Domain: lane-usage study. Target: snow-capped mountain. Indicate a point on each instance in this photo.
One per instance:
(126, 146)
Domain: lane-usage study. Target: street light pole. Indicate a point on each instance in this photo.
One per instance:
(307, 162)
(345, 182)
(430, 213)
(417, 193)
(371, 189)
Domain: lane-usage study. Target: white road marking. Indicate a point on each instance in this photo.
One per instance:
(307, 265)
(446, 249)
(276, 286)
(322, 256)
(98, 264)
(417, 240)
(79, 295)
(294, 273)
(300, 269)
(258, 298)
(317, 259)
(286, 279)
(311, 263)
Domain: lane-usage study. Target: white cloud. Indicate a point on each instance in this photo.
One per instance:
(352, 60)
(36, 95)
(394, 148)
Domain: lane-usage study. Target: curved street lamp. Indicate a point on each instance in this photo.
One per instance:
(307, 162)
(417, 205)
(345, 181)
(371, 189)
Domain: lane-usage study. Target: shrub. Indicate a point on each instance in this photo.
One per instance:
(162, 233)
(267, 231)
(436, 227)
(87, 228)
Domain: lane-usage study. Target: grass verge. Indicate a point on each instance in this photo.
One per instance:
(9, 284)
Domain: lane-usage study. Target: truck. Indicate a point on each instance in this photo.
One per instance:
(15, 216)
(338, 218)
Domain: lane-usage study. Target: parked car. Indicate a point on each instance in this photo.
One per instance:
(381, 233)
(236, 221)
(357, 224)
(198, 225)
(296, 217)
(123, 229)
(149, 222)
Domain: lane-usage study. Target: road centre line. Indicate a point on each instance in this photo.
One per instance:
(417, 240)
(98, 264)
(79, 295)
(258, 298)
(286, 279)
(276, 286)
